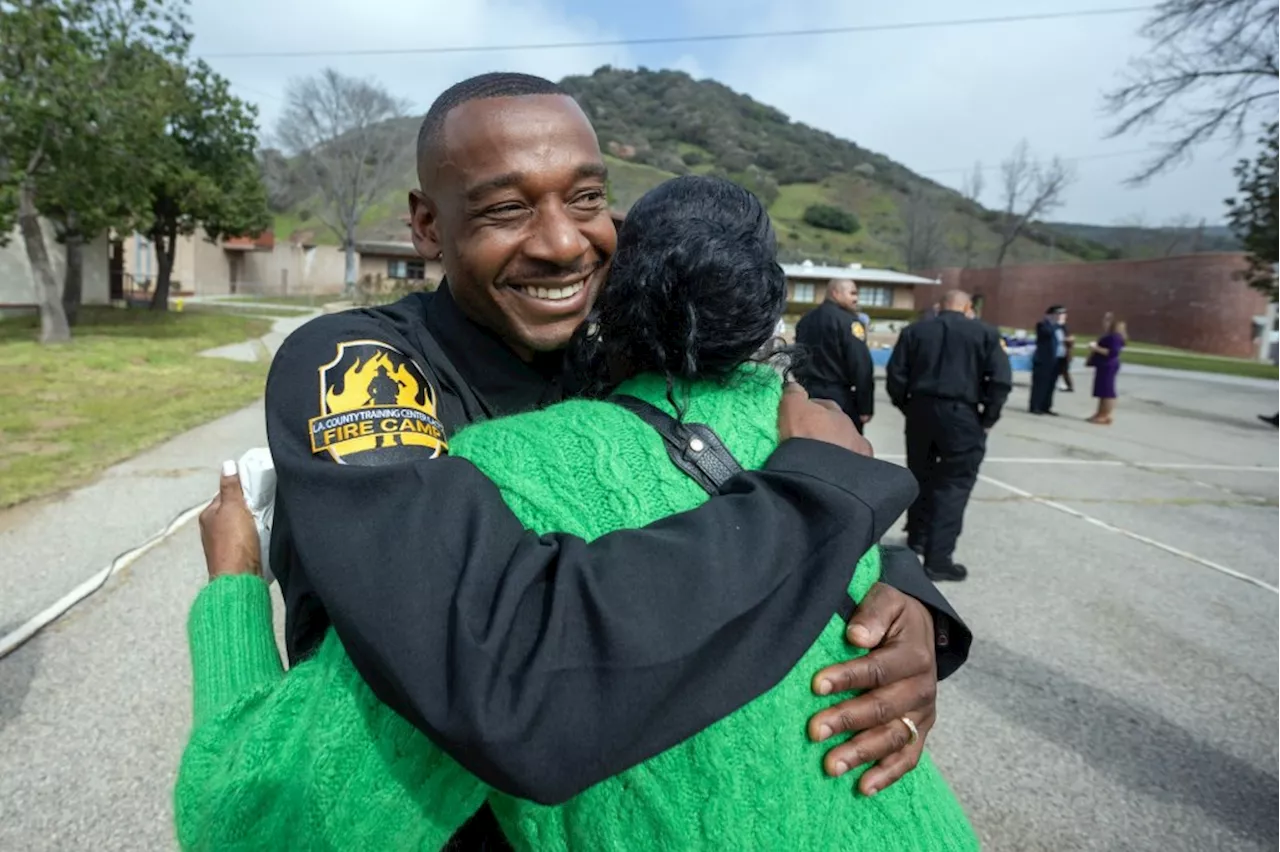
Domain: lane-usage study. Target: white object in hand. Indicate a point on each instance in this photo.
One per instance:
(258, 481)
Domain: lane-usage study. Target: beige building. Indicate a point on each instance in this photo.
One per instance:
(877, 288)
(395, 260)
(262, 265)
(17, 282)
(237, 265)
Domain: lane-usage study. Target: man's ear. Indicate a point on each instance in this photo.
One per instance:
(423, 225)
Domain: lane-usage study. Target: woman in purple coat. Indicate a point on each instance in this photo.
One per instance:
(1105, 360)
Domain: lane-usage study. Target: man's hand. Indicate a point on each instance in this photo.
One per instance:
(817, 419)
(900, 678)
(227, 530)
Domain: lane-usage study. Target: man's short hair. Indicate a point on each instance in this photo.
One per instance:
(496, 84)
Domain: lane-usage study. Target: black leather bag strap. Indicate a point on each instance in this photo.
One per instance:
(695, 448)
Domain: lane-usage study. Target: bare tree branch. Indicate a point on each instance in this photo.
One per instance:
(971, 189)
(1029, 190)
(922, 232)
(1212, 68)
(339, 129)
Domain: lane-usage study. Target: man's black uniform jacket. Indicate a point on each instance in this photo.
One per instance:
(951, 357)
(836, 358)
(542, 664)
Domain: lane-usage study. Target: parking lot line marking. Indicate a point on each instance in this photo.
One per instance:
(1167, 548)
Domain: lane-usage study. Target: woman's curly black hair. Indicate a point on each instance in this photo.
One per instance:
(695, 289)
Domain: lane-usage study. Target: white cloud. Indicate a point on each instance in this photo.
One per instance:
(940, 99)
(238, 26)
(933, 99)
(690, 65)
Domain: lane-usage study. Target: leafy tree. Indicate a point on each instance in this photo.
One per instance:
(81, 95)
(43, 59)
(831, 218)
(204, 173)
(134, 47)
(1252, 214)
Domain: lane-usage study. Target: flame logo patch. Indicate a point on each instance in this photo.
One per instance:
(858, 331)
(376, 407)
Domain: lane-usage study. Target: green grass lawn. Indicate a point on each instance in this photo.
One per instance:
(1156, 355)
(128, 380)
(302, 300)
(1175, 359)
(245, 309)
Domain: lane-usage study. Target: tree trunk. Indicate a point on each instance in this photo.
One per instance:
(166, 245)
(351, 262)
(53, 322)
(73, 283)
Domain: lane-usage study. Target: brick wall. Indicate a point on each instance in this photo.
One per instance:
(1192, 301)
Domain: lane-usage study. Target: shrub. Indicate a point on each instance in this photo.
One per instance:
(831, 218)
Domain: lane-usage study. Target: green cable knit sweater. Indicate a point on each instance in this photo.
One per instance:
(314, 761)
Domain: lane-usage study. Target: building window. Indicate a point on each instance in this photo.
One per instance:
(412, 269)
(875, 297)
(802, 293)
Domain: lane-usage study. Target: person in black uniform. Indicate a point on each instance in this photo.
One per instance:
(522, 656)
(950, 377)
(1051, 348)
(835, 363)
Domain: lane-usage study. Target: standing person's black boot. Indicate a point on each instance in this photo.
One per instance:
(1274, 419)
(952, 571)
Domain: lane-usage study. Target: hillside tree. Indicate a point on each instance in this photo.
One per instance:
(341, 129)
(971, 190)
(922, 239)
(1253, 213)
(1029, 189)
(1211, 72)
(204, 172)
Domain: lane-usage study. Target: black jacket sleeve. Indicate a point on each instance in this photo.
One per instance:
(862, 369)
(900, 568)
(898, 371)
(546, 664)
(997, 380)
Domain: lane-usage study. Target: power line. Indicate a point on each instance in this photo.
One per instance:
(563, 45)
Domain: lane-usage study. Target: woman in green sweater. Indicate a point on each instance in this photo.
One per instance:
(311, 759)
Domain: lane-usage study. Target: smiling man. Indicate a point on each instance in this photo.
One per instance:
(546, 664)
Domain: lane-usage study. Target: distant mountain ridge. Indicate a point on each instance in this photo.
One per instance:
(653, 125)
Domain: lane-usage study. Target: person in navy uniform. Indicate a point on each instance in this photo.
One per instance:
(835, 362)
(1051, 348)
(950, 376)
(486, 636)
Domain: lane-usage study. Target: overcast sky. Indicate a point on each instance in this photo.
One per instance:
(936, 100)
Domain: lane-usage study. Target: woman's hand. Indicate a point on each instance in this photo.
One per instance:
(227, 530)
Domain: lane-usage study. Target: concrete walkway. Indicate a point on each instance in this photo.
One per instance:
(70, 537)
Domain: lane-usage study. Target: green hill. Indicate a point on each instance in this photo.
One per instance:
(656, 124)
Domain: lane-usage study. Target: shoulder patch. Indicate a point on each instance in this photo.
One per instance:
(858, 331)
(376, 407)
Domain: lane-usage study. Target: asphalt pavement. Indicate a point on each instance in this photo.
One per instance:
(1121, 694)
